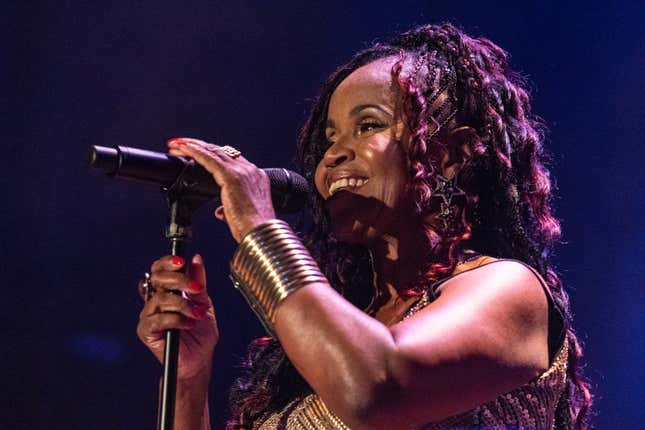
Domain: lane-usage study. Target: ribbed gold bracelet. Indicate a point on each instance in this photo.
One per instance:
(270, 264)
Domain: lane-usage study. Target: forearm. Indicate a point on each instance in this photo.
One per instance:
(342, 352)
(191, 407)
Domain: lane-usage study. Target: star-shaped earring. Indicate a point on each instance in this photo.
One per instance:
(447, 189)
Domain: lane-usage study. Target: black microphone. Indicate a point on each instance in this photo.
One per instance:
(288, 189)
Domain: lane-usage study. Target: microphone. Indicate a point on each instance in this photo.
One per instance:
(288, 189)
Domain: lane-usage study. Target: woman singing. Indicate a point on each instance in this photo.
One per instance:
(422, 296)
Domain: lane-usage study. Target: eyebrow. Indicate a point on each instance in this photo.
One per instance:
(358, 109)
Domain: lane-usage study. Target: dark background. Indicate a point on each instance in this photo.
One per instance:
(243, 73)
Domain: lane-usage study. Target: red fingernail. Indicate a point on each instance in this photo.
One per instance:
(195, 286)
(182, 143)
(177, 261)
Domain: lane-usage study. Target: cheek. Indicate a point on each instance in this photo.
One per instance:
(393, 170)
(388, 159)
(319, 181)
(395, 190)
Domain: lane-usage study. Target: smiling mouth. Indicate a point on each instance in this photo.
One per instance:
(346, 183)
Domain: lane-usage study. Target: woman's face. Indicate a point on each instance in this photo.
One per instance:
(362, 175)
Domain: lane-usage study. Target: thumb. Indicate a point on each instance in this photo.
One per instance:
(197, 272)
(219, 213)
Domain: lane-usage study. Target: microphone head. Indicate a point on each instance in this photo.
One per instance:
(289, 190)
(104, 159)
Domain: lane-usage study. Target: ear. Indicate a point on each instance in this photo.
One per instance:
(458, 150)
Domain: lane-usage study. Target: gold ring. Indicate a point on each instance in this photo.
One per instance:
(231, 152)
(146, 290)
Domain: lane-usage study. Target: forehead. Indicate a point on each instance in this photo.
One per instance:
(370, 84)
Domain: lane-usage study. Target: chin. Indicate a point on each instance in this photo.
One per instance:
(353, 218)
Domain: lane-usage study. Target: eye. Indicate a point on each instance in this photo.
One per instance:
(368, 126)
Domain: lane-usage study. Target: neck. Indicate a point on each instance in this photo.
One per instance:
(397, 259)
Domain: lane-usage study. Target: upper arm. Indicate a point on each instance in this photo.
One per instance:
(485, 335)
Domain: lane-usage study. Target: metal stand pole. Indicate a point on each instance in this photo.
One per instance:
(178, 233)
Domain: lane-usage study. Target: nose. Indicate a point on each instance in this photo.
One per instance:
(338, 153)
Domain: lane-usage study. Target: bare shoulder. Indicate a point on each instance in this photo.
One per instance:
(511, 309)
(497, 311)
(509, 283)
(485, 334)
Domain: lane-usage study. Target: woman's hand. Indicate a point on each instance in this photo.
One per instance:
(193, 315)
(245, 189)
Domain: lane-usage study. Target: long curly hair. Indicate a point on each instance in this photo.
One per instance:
(458, 95)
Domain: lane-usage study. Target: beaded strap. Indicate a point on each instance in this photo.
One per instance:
(270, 264)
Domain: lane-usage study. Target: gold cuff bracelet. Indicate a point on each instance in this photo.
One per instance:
(271, 263)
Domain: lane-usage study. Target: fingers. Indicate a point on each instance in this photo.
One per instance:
(197, 282)
(159, 323)
(166, 302)
(245, 189)
(152, 328)
(201, 150)
(166, 275)
(169, 262)
(204, 153)
(191, 313)
(197, 273)
(167, 311)
(211, 157)
(175, 281)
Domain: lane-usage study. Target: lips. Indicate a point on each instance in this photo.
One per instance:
(342, 180)
(345, 183)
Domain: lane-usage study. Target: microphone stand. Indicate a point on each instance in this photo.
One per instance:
(187, 191)
(182, 203)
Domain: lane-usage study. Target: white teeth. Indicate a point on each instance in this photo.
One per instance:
(344, 183)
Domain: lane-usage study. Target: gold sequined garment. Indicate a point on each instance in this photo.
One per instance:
(530, 407)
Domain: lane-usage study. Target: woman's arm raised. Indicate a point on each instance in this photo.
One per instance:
(485, 335)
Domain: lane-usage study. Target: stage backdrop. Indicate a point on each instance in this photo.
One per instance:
(243, 73)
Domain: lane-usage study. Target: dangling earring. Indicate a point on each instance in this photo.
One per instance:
(447, 190)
